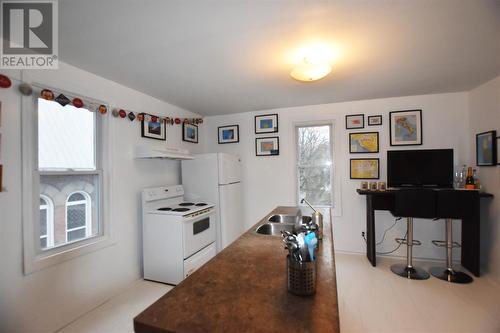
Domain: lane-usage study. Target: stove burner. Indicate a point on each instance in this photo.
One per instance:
(186, 204)
(201, 204)
(180, 209)
(165, 208)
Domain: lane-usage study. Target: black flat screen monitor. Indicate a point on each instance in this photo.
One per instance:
(420, 168)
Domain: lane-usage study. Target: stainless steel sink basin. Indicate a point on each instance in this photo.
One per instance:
(273, 229)
(280, 218)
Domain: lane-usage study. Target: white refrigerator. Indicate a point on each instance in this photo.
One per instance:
(216, 178)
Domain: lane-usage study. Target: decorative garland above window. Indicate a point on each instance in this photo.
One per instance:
(102, 109)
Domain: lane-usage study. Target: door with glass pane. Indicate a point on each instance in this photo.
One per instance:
(314, 164)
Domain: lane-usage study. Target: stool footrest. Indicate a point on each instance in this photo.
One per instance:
(404, 241)
(441, 243)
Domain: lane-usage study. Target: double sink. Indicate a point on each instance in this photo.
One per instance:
(281, 222)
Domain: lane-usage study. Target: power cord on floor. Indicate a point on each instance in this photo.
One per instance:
(383, 238)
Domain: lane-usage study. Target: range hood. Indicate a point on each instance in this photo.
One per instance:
(168, 153)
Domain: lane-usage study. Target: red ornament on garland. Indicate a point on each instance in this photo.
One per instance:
(154, 119)
(177, 121)
(77, 103)
(122, 113)
(5, 82)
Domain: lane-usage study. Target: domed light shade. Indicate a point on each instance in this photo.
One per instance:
(310, 72)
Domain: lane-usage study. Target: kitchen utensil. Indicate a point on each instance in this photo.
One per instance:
(311, 242)
(302, 246)
(293, 247)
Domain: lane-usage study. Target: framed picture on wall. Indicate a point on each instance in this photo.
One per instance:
(153, 129)
(229, 134)
(406, 127)
(498, 150)
(486, 150)
(365, 168)
(189, 133)
(353, 121)
(267, 123)
(363, 142)
(375, 120)
(267, 146)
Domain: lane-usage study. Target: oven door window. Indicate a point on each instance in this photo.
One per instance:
(201, 225)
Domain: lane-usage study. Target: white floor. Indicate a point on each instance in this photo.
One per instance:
(116, 315)
(371, 299)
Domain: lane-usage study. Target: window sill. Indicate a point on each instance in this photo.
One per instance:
(335, 212)
(65, 253)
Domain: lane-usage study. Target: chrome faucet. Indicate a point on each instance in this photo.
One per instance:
(317, 218)
(307, 202)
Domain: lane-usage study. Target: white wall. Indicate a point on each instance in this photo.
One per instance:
(48, 299)
(270, 181)
(484, 115)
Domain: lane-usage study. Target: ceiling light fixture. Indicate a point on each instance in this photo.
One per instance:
(314, 60)
(311, 70)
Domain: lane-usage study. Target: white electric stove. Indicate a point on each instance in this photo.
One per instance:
(178, 235)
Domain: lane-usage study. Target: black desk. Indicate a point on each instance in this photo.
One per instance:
(470, 216)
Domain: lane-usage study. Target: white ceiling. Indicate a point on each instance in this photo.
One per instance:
(228, 56)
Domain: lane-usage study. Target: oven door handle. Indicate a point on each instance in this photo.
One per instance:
(190, 218)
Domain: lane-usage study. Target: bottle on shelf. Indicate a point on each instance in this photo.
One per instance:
(463, 175)
(477, 183)
(469, 181)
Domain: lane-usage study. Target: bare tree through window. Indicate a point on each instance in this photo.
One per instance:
(314, 164)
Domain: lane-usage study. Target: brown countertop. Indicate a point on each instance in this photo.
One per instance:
(243, 289)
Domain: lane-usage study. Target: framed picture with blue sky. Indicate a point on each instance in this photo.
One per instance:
(486, 150)
(153, 129)
(229, 134)
(189, 133)
(267, 123)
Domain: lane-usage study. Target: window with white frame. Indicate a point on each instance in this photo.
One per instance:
(78, 216)
(46, 222)
(69, 164)
(315, 164)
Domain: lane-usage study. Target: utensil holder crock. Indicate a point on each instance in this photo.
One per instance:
(301, 276)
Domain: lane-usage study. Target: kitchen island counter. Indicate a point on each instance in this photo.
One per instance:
(244, 289)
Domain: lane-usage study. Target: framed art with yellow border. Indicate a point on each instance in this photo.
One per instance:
(365, 168)
(363, 142)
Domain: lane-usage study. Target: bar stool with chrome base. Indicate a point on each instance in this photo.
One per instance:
(411, 203)
(448, 202)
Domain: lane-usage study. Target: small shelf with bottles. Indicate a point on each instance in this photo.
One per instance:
(467, 179)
